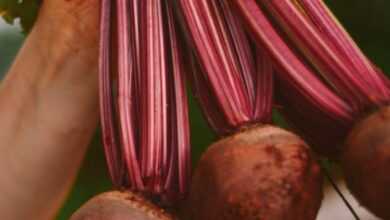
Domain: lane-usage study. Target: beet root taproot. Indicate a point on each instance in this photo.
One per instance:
(120, 206)
(366, 162)
(262, 172)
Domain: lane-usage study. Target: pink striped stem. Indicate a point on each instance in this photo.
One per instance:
(153, 83)
(291, 67)
(106, 104)
(153, 124)
(231, 90)
(179, 115)
(125, 90)
(327, 45)
(264, 85)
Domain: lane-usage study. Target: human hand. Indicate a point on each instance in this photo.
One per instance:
(48, 109)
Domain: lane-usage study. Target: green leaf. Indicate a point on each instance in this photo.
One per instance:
(25, 10)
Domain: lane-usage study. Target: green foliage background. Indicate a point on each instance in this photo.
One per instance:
(367, 21)
(25, 10)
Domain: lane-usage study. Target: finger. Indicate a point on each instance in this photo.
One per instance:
(119, 206)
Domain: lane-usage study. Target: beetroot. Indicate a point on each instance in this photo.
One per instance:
(120, 206)
(261, 172)
(366, 162)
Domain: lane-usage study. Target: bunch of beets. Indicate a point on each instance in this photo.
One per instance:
(241, 58)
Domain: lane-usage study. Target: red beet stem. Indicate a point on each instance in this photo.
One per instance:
(244, 55)
(106, 104)
(125, 90)
(179, 115)
(264, 79)
(226, 78)
(153, 128)
(152, 81)
(291, 69)
(315, 31)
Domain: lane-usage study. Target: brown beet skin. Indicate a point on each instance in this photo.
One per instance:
(366, 162)
(261, 173)
(119, 206)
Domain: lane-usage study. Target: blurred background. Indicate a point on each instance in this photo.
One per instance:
(367, 21)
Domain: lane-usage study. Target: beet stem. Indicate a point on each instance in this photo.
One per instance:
(106, 105)
(139, 45)
(231, 89)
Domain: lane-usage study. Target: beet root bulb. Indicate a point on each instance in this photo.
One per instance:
(260, 173)
(366, 162)
(119, 206)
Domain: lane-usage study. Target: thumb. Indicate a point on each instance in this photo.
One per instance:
(119, 206)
